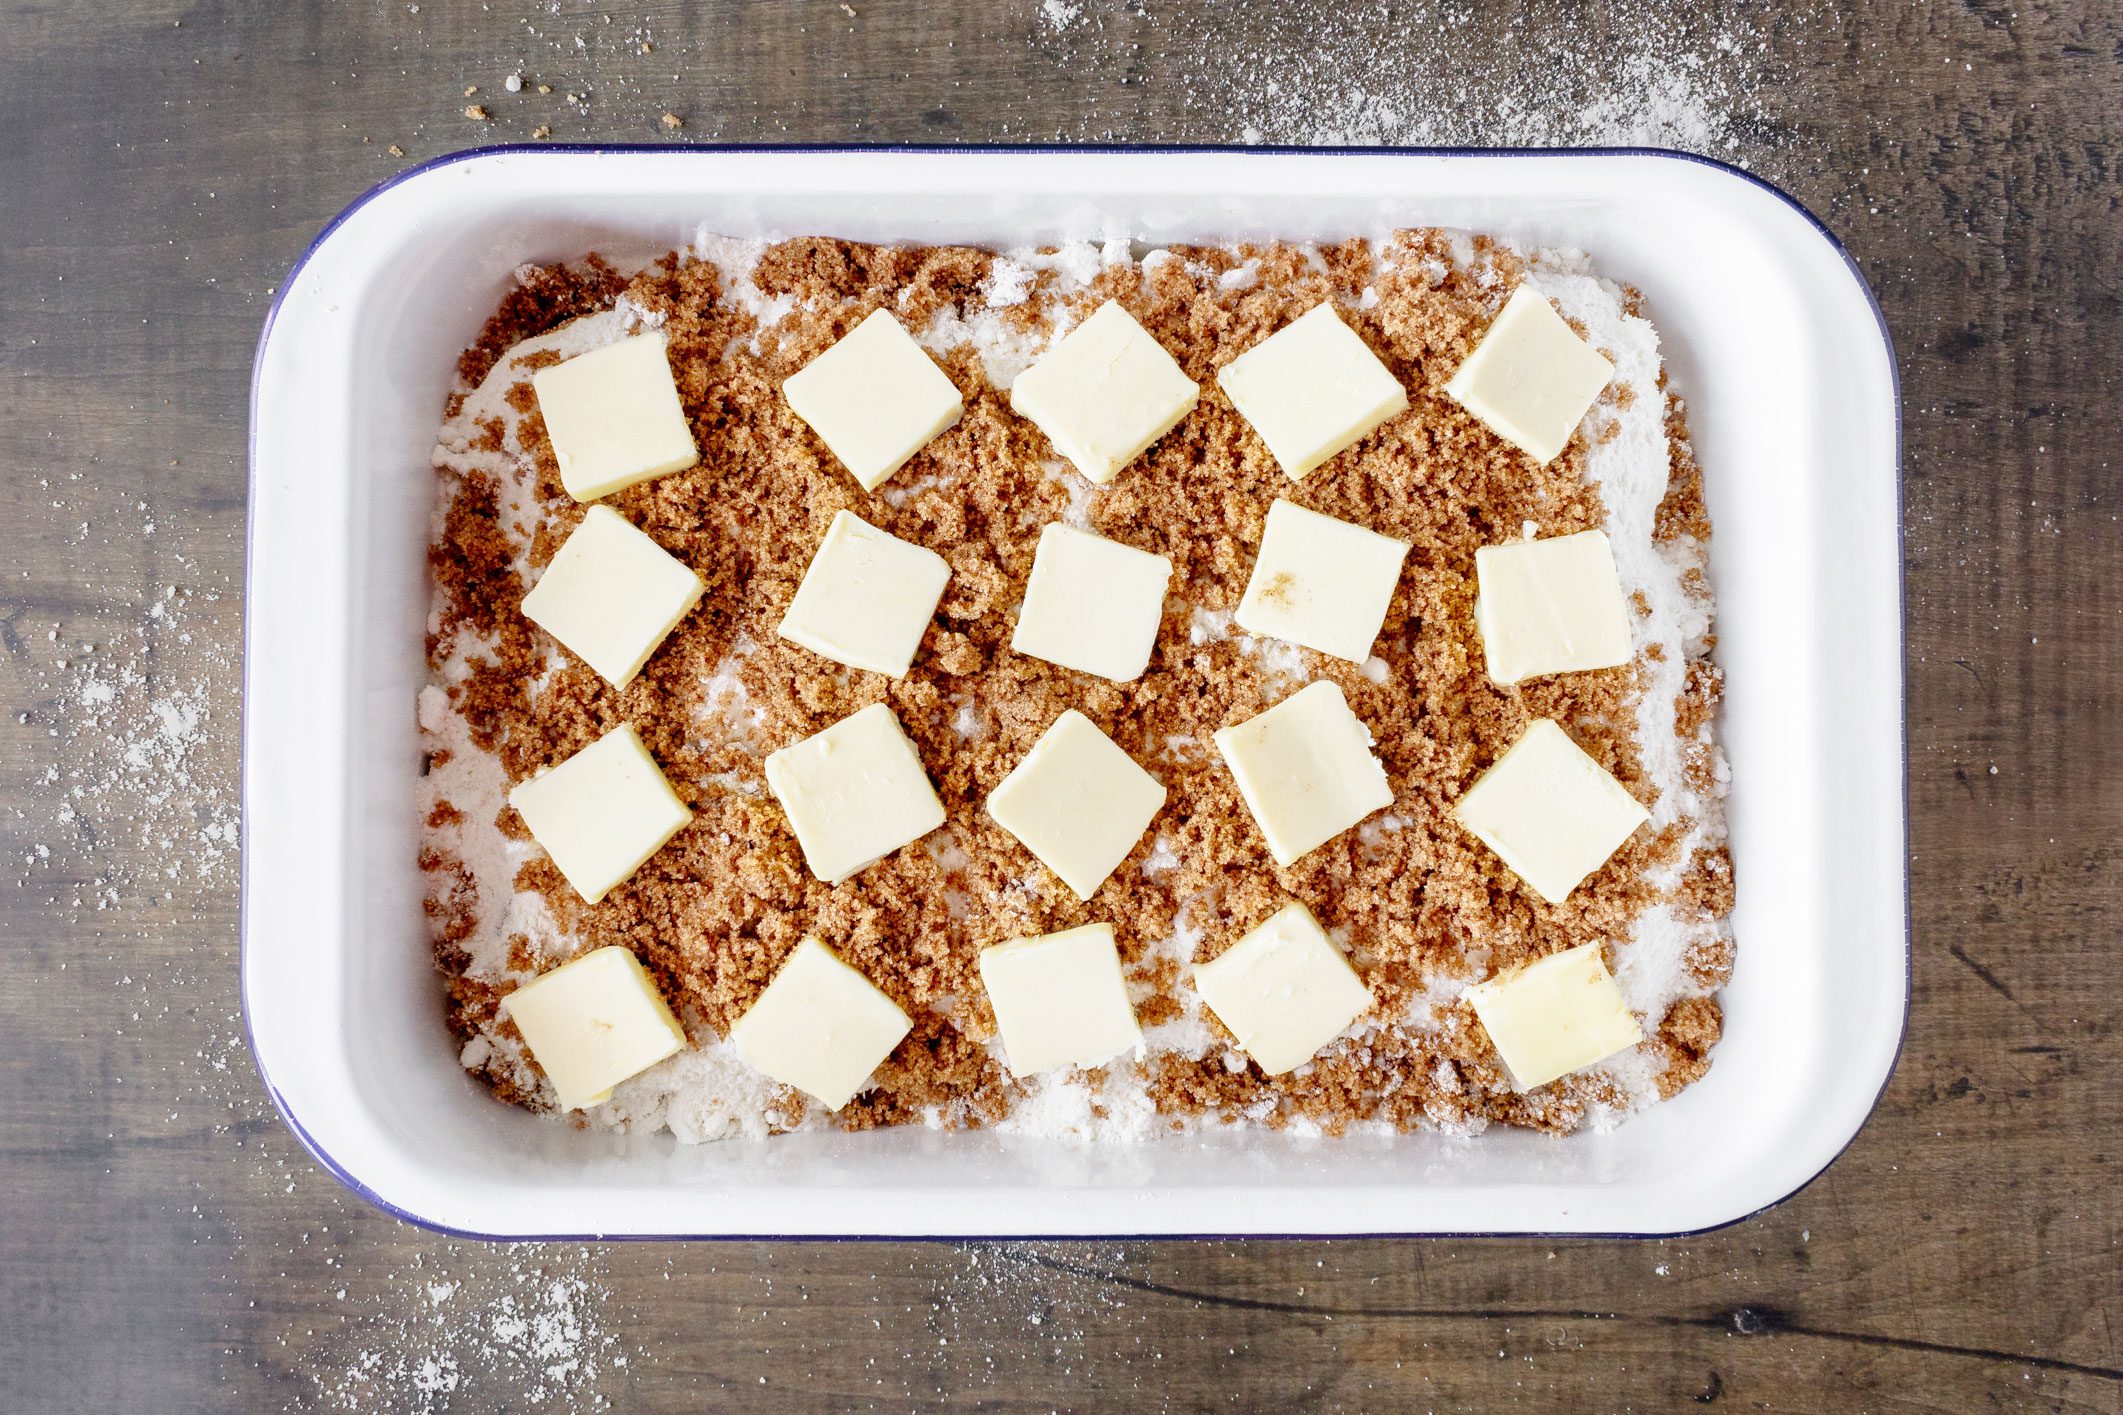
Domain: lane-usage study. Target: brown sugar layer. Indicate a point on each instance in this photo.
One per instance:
(1422, 908)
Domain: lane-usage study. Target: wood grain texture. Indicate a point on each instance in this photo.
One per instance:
(164, 1244)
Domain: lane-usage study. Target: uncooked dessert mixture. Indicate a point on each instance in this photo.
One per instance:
(1415, 895)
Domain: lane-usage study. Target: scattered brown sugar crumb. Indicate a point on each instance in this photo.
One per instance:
(544, 297)
(1684, 1039)
(672, 120)
(477, 112)
(395, 150)
(1682, 512)
(1410, 895)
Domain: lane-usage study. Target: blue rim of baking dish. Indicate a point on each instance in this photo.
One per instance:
(353, 1183)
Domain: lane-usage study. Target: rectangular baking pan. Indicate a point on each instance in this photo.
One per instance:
(1771, 335)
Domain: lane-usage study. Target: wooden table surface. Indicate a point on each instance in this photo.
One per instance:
(165, 1245)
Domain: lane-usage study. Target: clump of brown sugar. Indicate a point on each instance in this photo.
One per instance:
(1414, 898)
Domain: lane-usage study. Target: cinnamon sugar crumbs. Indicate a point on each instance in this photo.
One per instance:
(1422, 908)
(543, 297)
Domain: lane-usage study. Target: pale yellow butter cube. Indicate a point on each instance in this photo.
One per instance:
(611, 595)
(1550, 606)
(602, 812)
(854, 793)
(1306, 770)
(1104, 393)
(1549, 811)
(613, 417)
(867, 597)
(1060, 1000)
(1555, 1016)
(1531, 379)
(875, 399)
(1284, 990)
(1092, 604)
(820, 1026)
(593, 1023)
(1311, 389)
(1321, 582)
(1078, 802)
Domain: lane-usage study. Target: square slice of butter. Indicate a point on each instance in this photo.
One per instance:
(602, 812)
(854, 793)
(1311, 389)
(875, 399)
(1104, 393)
(1554, 1016)
(1549, 811)
(1550, 606)
(1284, 990)
(611, 594)
(594, 1022)
(1306, 770)
(1078, 802)
(867, 598)
(1321, 582)
(613, 417)
(1060, 1000)
(1092, 604)
(820, 1026)
(1531, 379)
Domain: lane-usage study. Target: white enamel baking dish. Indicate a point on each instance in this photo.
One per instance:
(1771, 335)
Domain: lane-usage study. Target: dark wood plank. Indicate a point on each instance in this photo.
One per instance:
(166, 1246)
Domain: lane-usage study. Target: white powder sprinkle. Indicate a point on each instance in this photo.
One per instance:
(141, 725)
(1059, 15)
(528, 1328)
(1431, 73)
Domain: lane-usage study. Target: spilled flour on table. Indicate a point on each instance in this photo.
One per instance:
(465, 1324)
(1307, 73)
(1430, 73)
(137, 726)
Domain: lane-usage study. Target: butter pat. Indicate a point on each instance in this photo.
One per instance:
(1321, 582)
(593, 1023)
(1092, 604)
(1306, 770)
(613, 418)
(854, 793)
(1312, 388)
(875, 398)
(1555, 1016)
(1078, 802)
(611, 594)
(1060, 1000)
(1531, 379)
(1284, 990)
(1550, 606)
(820, 1026)
(867, 597)
(1549, 811)
(1104, 393)
(602, 812)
